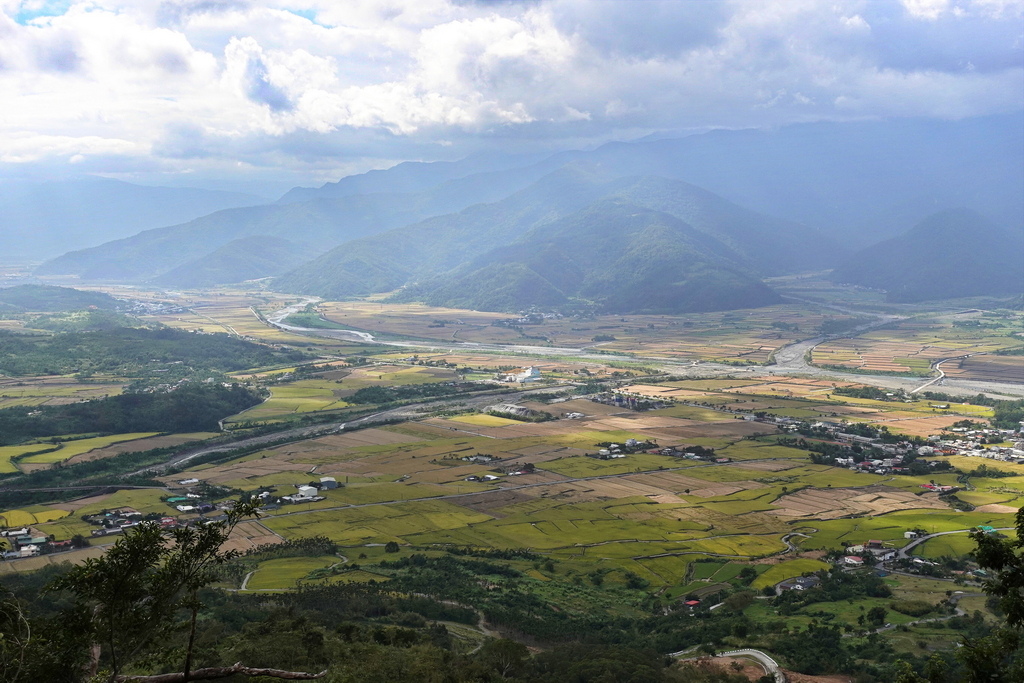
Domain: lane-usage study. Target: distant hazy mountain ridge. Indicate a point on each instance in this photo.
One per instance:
(44, 219)
(779, 201)
(953, 253)
(620, 256)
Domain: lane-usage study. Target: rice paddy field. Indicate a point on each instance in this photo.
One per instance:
(913, 346)
(52, 390)
(649, 514)
(687, 527)
(746, 335)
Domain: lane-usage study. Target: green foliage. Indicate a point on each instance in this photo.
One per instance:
(84, 321)
(379, 394)
(130, 352)
(46, 298)
(191, 407)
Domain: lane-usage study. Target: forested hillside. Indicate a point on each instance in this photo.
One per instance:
(950, 254)
(127, 351)
(617, 255)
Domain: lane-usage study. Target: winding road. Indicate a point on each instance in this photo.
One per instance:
(790, 359)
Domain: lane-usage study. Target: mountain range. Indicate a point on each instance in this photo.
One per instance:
(813, 194)
(40, 220)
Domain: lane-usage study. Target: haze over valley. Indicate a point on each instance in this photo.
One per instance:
(512, 342)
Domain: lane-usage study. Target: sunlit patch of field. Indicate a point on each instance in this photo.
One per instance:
(29, 516)
(53, 390)
(303, 396)
(484, 420)
(70, 449)
(286, 572)
(788, 570)
(142, 444)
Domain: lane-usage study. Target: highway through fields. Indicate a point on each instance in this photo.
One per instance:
(790, 359)
(411, 411)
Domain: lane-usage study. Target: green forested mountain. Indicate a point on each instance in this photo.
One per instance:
(950, 254)
(618, 255)
(243, 259)
(49, 299)
(438, 245)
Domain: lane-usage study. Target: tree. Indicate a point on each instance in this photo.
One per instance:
(504, 657)
(1000, 657)
(134, 592)
(877, 615)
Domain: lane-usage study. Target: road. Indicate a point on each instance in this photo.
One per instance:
(904, 552)
(770, 666)
(412, 411)
(788, 360)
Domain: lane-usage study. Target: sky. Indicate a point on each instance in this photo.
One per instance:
(302, 92)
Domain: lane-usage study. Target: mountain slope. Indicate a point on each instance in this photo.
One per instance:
(324, 220)
(950, 254)
(395, 258)
(624, 258)
(246, 258)
(391, 259)
(43, 219)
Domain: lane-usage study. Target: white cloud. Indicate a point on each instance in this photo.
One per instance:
(178, 84)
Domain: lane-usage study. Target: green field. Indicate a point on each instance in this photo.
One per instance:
(788, 570)
(286, 572)
(70, 449)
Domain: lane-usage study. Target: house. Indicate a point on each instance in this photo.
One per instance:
(188, 482)
(800, 583)
(854, 561)
(307, 492)
(692, 603)
(524, 375)
(23, 531)
(328, 483)
(910, 534)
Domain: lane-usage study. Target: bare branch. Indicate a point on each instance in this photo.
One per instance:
(216, 672)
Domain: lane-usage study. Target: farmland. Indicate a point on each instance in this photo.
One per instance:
(914, 346)
(624, 536)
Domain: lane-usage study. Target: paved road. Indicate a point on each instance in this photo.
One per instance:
(788, 360)
(412, 411)
(904, 552)
(770, 666)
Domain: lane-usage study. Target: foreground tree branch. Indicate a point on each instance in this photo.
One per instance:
(215, 672)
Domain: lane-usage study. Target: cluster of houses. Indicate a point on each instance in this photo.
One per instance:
(307, 493)
(24, 544)
(613, 451)
(970, 443)
(115, 521)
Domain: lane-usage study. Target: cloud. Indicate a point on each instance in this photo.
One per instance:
(316, 84)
